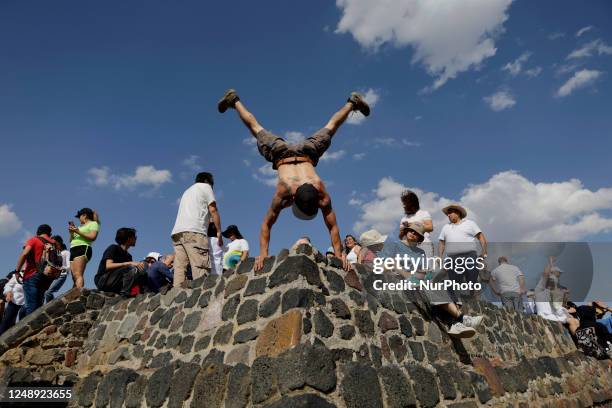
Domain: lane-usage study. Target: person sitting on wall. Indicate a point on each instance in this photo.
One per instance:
(459, 325)
(13, 295)
(160, 273)
(236, 250)
(298, 186)
(117, 273)
(549, 300)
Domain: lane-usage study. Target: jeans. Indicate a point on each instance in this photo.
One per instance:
(34, 290)
(512, 301)
(55, 286)
(11, 311)
(468, 275)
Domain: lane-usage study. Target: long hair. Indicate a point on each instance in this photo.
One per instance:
(410, 197)
(347, 250)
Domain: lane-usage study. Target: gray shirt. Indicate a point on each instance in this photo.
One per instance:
(507, 278)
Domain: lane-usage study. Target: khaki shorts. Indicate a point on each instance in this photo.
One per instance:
(274, 148)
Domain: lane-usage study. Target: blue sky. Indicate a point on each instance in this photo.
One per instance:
(505, 108)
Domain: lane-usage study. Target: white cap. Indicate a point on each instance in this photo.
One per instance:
(154, 255)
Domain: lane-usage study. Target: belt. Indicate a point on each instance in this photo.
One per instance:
(293, 160)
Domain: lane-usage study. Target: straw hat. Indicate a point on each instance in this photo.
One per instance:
(418, 228)
(371, 237)
(462, 211)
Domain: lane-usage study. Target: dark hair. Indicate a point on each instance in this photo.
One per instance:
(411, 198)
(88, 212)
(43, 229)
(212, 230)
(123, 234)
(502, 259)
(354, 239)
(60, 241)
(307, 199)
(205, 177)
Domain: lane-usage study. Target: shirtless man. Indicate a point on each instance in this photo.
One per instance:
(298, 185)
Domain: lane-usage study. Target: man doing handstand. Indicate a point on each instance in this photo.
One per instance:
(298, 185)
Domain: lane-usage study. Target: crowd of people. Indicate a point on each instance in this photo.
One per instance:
(45, 263)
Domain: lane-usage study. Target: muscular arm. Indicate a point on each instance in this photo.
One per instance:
(329, 216)
(266, 226)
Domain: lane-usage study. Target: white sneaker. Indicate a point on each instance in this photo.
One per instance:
(462, 331)
(472, 321)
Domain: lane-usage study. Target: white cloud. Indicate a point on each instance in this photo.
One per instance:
(500, 100)
(355, 202)
(294, 137)
(247, 162)
(555, 36)
(266, 175)
(249, 141)
(99, 176)
(372, 97)
(359, 156)
(418, 117)
(594, 47)
(583, 30)
(9, 221)
(191, 163)
(333, 156)
(385, 141)
(410, 143)
(533, 72)
(448, 37)
(515, 67)
(508, 207)
(580, 79)
(143, 176)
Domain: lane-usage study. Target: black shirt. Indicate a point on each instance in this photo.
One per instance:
(114, 253)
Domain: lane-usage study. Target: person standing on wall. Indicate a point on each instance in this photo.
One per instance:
(189, 235)
(81, 239)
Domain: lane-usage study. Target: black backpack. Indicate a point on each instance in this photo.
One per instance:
(586, 340)
(51, 257)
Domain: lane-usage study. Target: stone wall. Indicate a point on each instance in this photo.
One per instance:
(299, 333)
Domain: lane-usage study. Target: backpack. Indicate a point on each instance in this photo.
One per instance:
(586, 340)
(50, 262)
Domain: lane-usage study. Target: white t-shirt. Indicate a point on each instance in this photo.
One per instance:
(420, 216)
(237, 245)
(506, 278)
(459, 238)
(352, 256)
(17, 288)
(217, 256)
(193, 213)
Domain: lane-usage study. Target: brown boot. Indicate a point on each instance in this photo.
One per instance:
(359, 103)
(228, 101)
